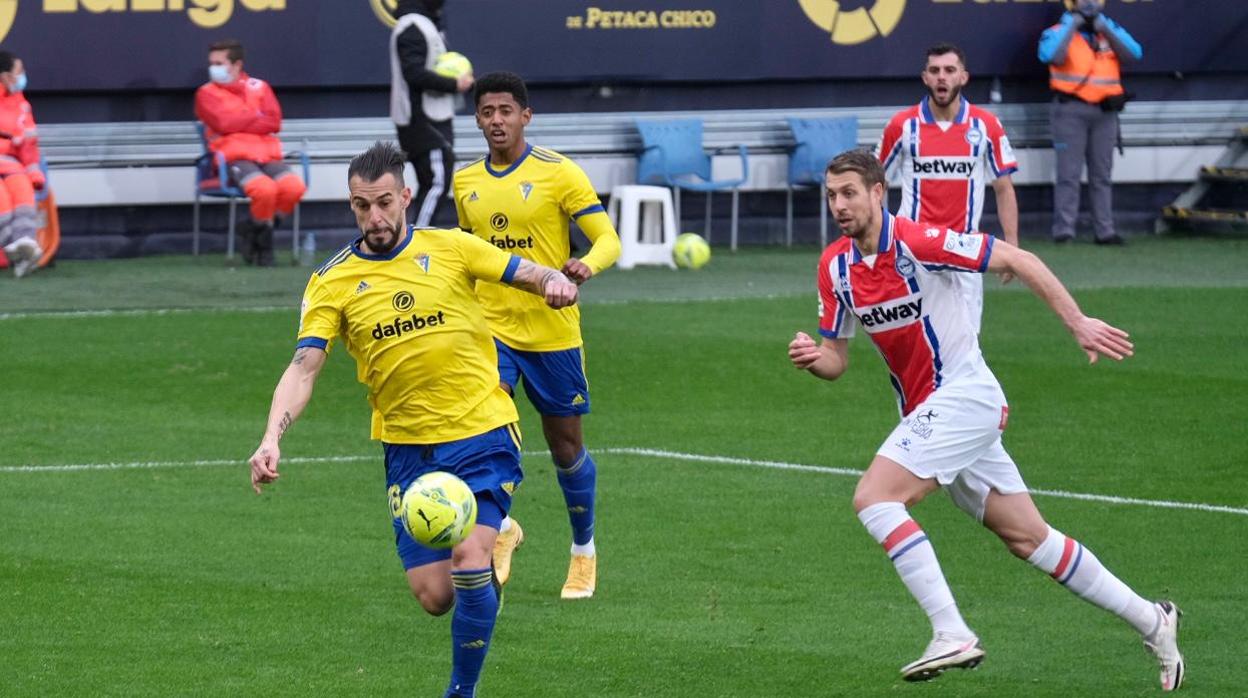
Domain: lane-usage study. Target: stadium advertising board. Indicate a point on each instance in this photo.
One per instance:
(160, 44)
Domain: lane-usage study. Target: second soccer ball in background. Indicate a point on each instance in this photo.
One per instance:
(452, 65)
(690, 251)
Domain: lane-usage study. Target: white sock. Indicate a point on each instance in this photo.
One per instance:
(915, 560)
(1077, 569)
(587, 549)
(505, 526)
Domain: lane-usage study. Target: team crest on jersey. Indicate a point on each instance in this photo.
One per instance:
(974, 136)
(422, 260)
(905, 266)
(526, 188)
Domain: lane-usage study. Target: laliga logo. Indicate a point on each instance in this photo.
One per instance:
(849, 27)
(384, 9)
(8, 10)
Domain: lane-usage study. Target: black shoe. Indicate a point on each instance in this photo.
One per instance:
(247, 242)
(264, 245)
(1063, 239)
(1114, 239)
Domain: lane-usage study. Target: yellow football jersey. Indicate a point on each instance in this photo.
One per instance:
(411, 320)
(525, 209)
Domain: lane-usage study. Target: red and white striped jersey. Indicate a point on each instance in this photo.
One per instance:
(943, 169)
(906, 298)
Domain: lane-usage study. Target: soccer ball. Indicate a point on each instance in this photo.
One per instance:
(438, 510)
(452, 65)
(691, 251)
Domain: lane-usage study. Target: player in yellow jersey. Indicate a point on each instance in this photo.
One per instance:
(520, 198)
(402, 301)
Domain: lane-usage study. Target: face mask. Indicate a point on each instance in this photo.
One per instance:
(219, 73)
(19, 84)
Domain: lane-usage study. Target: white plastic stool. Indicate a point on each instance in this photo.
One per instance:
(647, 233)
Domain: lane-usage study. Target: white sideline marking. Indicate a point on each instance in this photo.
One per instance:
(646, 452)
(294, 309)
(142, 312)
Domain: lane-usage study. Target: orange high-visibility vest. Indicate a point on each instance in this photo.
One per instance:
(1089, 74)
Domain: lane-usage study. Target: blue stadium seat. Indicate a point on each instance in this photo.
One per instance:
(672, 155)
(817, 142)
(212, 178)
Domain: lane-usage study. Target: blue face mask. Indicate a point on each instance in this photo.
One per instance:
(219, 74)
(19, 84)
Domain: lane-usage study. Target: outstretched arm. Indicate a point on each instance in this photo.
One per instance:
(1094, 336)
(289, 398)
(551, 284)
(828, 359)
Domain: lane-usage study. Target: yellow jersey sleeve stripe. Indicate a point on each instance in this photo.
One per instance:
(510, 272)
(592, 208)
(338, 258)
(546, 156)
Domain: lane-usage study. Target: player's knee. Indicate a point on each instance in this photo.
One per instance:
(1020, 544)
(867, 494)
(565, 451)
(435, 602)
(472, 554)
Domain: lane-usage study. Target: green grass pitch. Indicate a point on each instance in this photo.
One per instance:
(151, 569)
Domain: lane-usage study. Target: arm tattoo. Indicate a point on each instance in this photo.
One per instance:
(534, 278)
(549, 276)
(283, 425)
(300, 355)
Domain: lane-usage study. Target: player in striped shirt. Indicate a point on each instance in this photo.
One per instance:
(892, 276)
(944, 149)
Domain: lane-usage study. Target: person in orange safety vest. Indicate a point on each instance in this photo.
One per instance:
(241, 118)
(19, 169)
(1084, 52)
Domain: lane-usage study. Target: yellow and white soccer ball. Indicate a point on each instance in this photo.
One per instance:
(438, 510)
(452, 65)
(690, 251)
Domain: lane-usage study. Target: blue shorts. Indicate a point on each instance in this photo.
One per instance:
(554, 380)
(489, 463)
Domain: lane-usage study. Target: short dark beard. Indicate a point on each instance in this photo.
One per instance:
(386, 246)
(954, 95)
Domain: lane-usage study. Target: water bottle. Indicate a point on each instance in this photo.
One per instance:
(307, 249)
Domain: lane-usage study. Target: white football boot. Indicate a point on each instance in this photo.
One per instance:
(945, 651)
(1164, 645)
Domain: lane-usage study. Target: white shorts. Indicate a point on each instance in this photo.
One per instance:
(954, 437)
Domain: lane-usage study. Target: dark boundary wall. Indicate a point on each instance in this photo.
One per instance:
(140, 60)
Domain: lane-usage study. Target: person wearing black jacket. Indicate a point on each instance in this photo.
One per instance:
(422, 102)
